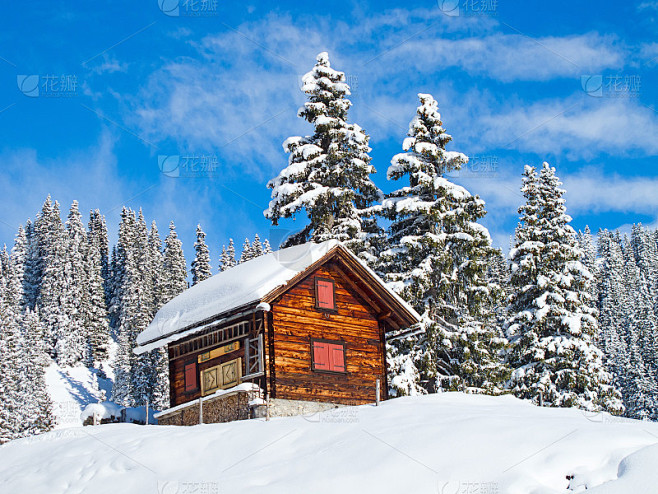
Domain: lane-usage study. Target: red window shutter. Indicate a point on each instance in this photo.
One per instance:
(325, 294)
(191, 381)
(320, 356)
(336, 358)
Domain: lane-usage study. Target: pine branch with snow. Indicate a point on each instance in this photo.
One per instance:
(201, 263)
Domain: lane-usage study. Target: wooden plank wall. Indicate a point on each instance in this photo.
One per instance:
(177, 394)
(296, 320)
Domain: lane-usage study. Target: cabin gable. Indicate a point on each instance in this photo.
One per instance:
(347, 339)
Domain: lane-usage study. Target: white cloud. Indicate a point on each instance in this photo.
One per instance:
(108, 64)
(242, 89)
(577, 127)
(512, 57)
(88, 175)
(590, 191)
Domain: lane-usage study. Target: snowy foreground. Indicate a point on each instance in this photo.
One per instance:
(449, 443)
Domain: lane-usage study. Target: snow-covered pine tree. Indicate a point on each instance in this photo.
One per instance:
(267, 248)
(71, 346)
(143, 374)
(437, 259)
(125, 306)
(174, 282)
(256, 247)
(247, 253)
(201, 263)
(95, 310)
(4, 262)
(328, 173)
(230, 251)
(156, 267)
(175, 269)
(32, 276)
(640, 330)
(53, 297)
(645, 252)
(12, 358)
(589, 259)
(551, 324)
(25, 407)
(611, 304)
(113, 304)
(223, 259)
(97, 234)
(95, 307)
(227, 259)
(19, 261)
(38, 408)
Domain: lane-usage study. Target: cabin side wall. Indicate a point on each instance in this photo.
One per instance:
(296, 321)
(177, 393)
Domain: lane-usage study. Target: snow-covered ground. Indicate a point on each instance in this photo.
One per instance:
(448, 443)
(71, 389)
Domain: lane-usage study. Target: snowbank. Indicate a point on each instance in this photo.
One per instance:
(448, 443)
(71, 389)
(105, 410)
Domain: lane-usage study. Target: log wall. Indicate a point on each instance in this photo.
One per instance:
(296, 321)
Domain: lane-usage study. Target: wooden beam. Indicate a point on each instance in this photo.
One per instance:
(385, 315)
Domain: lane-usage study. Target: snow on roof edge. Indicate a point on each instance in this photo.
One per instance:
(272, 271)
(237, 287)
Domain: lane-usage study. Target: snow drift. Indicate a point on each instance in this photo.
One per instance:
(447, 443)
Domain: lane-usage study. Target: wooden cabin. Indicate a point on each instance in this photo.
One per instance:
(303, 328)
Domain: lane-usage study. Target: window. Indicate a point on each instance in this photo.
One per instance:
(221, 376)
(324, 294)
(191, 377)
(328, 355)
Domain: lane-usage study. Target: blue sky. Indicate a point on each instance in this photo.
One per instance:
(121, 83)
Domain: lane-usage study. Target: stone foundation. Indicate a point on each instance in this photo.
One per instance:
(290, 408)
(235, 406)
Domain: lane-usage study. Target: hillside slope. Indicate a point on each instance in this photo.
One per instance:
(448, 443)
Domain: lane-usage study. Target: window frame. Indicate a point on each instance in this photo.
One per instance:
(330, 342)
(198, 377)
(333, 294)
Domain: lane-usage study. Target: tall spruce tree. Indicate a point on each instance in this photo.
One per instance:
(71, 346)
(25, 407)
(552, 324)
(97, 234)
(95, 308)
(175, 269)
(52, 298)
(328, 173)
(437, 259)
(124, 302)
(39, 407)
(12, 357)
(142, 376)
(32, 276)
(227, 259)
(19, 259)
(588, 250)
(247, 254)
(201, 264)
(256, 247)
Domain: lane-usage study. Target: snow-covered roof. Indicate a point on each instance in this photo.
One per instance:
(243, 285)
